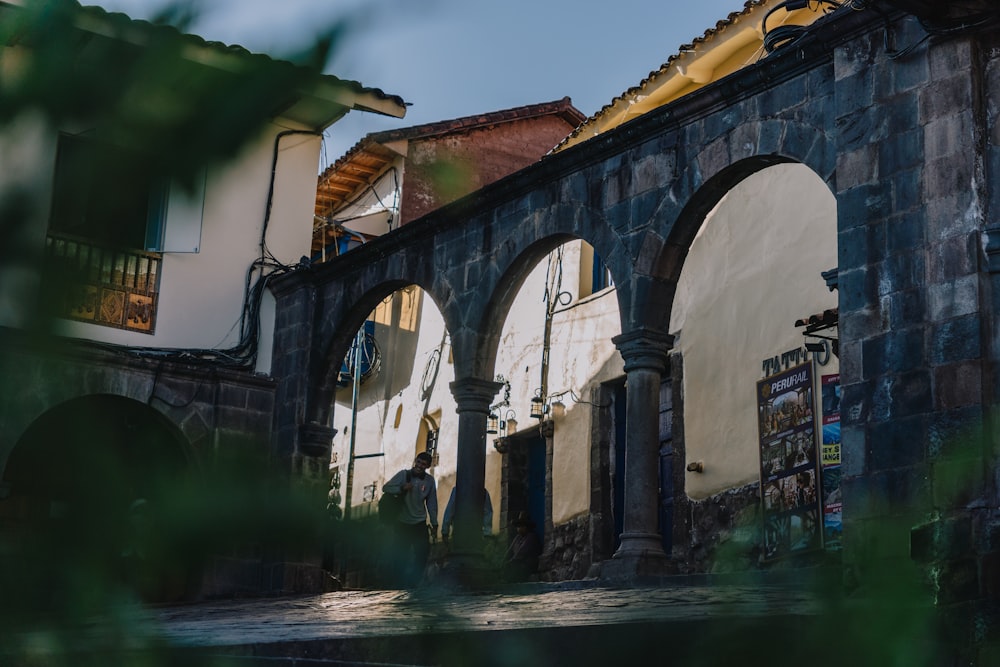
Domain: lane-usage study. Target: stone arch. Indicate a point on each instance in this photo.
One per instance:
(76, 481)
(755, 258)
(716, 169)
(79, 423)
(56, 385)
(333, 349)
(514, 261)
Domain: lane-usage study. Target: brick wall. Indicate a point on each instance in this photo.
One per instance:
(442, 169)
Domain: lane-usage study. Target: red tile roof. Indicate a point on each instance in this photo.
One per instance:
(563, 108)
(124, 26)
(748, 6)
(369, 156)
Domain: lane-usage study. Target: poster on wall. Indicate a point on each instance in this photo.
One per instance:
(830, 462)
(789, 472)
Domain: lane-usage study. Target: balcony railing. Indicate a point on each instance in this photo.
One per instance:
(112, 287)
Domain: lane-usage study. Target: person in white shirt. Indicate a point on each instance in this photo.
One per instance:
(417, 523)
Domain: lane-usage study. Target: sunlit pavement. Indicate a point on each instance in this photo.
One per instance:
(380, 613)
(572, 622)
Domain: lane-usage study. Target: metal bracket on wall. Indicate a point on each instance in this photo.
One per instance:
(991, 245)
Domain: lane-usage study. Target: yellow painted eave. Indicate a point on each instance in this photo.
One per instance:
(732, 46)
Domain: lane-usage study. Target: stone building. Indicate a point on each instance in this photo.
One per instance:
(876, 124)
(555, 356)
(886, 111)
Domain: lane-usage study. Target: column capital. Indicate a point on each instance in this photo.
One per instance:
(316, 439)
(644, 348)
(474, 394)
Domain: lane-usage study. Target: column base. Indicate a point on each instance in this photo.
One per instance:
(639, 557)
(646, 546)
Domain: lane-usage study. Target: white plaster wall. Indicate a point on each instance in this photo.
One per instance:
(201, 294)
(753, 270)
(376, 431)
(582, 356)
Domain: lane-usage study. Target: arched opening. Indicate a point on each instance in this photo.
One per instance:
(559, 366)
(83, 490)
(384, 418)
(754, 269)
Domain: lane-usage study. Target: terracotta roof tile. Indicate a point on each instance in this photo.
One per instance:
(563, 108)
(720, 26)
(120, 22)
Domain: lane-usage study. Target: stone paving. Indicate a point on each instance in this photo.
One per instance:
(579, 623)
(352, 614)
(698, 621)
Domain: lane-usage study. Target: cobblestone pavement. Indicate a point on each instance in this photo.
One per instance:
(689, 621)
(356, 614)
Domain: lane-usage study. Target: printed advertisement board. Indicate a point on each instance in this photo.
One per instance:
(830, 462)
(789, 473)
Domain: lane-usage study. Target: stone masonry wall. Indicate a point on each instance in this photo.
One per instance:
(567, 553)
(218, 415)
(913, 369)
(906, 140)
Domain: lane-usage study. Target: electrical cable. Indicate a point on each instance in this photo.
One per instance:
(243, 354)
(935, 20)
(369, 188)
(783, 35)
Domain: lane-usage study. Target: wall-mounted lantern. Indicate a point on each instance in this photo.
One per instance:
(537, 405)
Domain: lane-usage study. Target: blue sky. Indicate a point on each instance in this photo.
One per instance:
(454, 58)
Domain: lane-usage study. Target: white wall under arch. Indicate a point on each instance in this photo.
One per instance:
(752, 270)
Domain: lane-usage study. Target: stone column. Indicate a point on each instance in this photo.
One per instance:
(645, 355)
(473, 397)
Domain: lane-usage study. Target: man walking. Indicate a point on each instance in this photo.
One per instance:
(420, 507)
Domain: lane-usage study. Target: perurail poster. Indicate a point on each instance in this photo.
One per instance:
(789, 470)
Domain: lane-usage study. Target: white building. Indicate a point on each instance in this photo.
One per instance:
(150, 185)
(731, 317)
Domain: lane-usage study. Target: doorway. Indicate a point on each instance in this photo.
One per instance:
(524, 478)
(84, 492)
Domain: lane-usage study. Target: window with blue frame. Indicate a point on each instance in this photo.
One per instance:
(594, 273)
(601, 277)
(105, 224)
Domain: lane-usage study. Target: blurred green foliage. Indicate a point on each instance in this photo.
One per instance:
(71, 597)
(139, 86)
(107, 522)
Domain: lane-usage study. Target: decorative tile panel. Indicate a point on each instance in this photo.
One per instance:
(113, 287)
